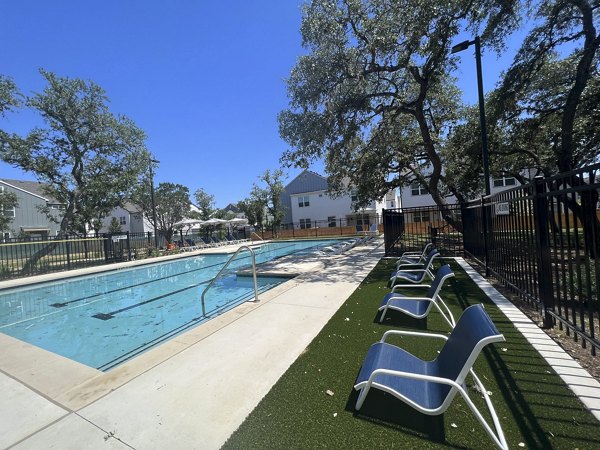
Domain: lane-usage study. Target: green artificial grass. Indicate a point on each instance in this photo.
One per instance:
(536, 409)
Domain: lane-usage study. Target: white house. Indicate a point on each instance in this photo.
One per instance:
(130, 218)
(307, 204)
(415, 195)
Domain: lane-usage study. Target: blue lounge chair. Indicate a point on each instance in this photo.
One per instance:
(208, 242)
(372, 231)
(413, 274)
(414, 257)
(419, 307)
(430, 386)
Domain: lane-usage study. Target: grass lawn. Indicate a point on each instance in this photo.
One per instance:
(535, 407)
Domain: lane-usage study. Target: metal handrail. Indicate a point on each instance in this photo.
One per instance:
(225, 267)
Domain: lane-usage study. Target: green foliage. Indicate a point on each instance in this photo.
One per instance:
(8, 200)
(254, 207)
(206, 203)
(547, 106)
(273, 192)
(89, 158)
(172, 205)
(374, 97)
(9, 95)
(114, 226)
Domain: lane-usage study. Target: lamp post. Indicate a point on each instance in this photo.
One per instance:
(484, 141)
(153, 161)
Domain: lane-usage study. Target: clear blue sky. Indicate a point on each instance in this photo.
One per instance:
(205, 80)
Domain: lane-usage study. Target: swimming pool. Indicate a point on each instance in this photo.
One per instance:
(105, 319)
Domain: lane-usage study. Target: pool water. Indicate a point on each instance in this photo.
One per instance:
(105, 319)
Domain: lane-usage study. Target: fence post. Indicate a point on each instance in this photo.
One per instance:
(542, 235)
(68, 248)
(128, 247)
(106, 247)
(486, 228)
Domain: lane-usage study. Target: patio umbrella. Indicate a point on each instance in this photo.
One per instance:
(214, 222)
(188, 223)
(237, 221)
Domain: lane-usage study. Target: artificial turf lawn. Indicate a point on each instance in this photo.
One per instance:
(534, 406)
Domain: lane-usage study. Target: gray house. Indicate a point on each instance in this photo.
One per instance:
(28, 219)
(307, 181)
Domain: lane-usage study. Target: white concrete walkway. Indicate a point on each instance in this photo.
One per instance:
(190, 393)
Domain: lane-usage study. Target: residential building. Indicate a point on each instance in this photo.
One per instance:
(130, 218)
(307, 204)
(29, 218)
(233, 208)
(415, 195)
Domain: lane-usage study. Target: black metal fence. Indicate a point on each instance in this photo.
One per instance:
(21, 258)
(321, 228)
(542, 240)
(409, 229)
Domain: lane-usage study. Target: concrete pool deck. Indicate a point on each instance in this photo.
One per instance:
(191, 392)
(195, 390)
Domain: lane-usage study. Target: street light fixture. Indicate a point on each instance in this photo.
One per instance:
(484, 141)
(153, 161)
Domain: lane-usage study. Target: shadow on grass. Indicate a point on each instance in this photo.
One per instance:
(383, 409)
(397, 319)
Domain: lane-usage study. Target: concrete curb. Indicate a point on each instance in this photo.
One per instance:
(576, 377)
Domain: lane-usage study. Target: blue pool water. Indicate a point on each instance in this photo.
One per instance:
(105, 319)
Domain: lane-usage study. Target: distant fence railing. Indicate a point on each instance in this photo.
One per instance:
(21, 258)
(542, 240)
(320, 228)
(409, 229)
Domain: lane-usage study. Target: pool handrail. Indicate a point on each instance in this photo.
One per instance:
(243, 247)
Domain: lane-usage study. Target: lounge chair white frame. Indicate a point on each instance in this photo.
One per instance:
(424, 270)
(442, 274)
(457, 384)
(414, 257)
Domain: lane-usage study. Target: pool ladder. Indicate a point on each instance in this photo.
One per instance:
(243, 247)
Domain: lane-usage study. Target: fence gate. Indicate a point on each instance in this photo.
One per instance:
(117, 247)
(393, 225)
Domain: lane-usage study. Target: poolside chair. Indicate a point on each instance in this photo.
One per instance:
(231, 239)
(415, 257)
(239, 239)
(340, 247)
(208, 242)
(430, 386)
(413, 273)
(419, 307)
(217, 242)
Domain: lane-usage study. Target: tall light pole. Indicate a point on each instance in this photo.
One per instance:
(484, 141)
(153, 161)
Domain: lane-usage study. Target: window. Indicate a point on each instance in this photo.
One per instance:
(421, 216)
(8, 212)
(505, 181)
(123, 220)
(304, 223)
(362, 220)
(303, 201)
(417, 189)
(331, 221)
(354, 195)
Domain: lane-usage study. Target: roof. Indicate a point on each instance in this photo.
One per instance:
(307, 181)
(32, 187)
(233, 208)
